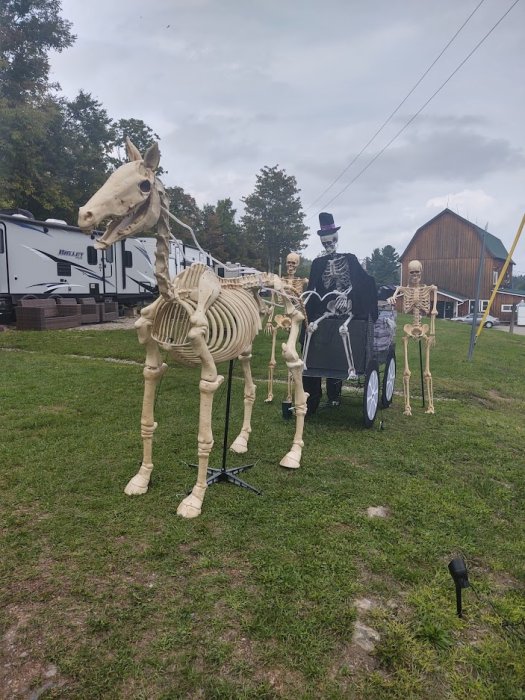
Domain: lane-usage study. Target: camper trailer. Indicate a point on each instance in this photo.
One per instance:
(45, 258)
(52, 258)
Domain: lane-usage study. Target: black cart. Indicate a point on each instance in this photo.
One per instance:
(372, 351)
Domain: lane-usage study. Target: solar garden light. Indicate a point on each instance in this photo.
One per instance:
(458, 571)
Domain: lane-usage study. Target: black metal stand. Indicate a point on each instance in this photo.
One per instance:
(421, 374)
(223, 474)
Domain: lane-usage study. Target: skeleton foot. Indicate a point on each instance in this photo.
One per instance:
(239, 445)
(407, 411)
(191, 506)
(140, 482)
(430, 409)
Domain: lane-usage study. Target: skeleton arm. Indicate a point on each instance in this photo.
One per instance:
(434, 292)
(399, 291)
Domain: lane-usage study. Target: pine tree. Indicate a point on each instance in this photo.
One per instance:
(383, 265)
(273, 218)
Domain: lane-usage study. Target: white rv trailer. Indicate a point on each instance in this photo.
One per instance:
(45, 258)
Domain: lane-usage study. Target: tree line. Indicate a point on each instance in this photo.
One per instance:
(55, 153)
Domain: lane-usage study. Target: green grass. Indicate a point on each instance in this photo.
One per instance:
(256, 598)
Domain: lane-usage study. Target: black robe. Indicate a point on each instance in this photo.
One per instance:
(363, 294)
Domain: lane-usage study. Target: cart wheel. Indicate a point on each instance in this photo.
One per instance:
(371, 394)
(389, 379)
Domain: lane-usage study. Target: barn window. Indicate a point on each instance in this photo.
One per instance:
(494, 276)
(506, 308)
(483, 303)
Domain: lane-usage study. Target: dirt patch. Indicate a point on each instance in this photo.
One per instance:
(22, 673)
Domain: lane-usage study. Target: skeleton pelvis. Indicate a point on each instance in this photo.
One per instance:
(233, 322)
(416, 331)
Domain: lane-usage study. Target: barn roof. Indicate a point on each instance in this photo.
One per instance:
(492, 244)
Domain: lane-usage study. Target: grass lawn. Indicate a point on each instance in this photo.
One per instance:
(106, 596)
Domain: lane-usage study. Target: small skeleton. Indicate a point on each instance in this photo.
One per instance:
(273, 324)
(418, 299)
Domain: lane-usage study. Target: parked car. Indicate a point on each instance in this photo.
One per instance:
(469, 318)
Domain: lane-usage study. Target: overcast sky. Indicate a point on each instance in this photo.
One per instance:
(231, 86)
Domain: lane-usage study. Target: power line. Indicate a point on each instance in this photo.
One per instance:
(423, 107)
(395, 110)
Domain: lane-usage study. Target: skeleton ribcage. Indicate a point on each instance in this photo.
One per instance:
(336, 274)
(233, 322)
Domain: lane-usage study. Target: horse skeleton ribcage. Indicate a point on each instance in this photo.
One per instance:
(233, 322)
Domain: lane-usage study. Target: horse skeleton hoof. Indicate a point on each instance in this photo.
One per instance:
(190, 507)
(291, 461)
(136, 486)
(239, 445)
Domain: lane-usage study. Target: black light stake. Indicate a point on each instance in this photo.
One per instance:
(458, 571)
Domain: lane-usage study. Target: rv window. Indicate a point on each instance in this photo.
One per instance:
(63, 269)
(92, 256)
(128, 258)
(2, 243)
(109, 255)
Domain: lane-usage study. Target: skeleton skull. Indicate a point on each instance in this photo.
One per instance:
(292, 263)
(415, 270)
(329, 243)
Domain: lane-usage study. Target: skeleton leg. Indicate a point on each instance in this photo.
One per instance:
(289, 387)
(406, 378)
(153, 371)
(240, 444)
(292, 460)
(345, 337)
(428, 377)
(271, 367)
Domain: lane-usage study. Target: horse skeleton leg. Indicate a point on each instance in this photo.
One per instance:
(292, 460)
(153, 371)
(240, 444)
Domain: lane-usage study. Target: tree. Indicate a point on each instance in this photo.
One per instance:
(518, 282)
(234, 248)
(140, 134)
(29, 29)
(383, 265)
(273, 218)
(185, 208)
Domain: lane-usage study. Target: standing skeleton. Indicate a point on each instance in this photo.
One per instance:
(418, 299)
(283, 321)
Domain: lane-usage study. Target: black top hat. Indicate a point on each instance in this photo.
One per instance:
(326, 222)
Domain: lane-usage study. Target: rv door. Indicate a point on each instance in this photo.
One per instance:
(4, 281)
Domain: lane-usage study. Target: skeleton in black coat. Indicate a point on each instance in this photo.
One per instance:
(338, 286)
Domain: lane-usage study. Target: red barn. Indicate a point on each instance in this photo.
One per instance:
(449, 247)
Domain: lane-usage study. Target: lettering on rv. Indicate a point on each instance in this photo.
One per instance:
(71, 253)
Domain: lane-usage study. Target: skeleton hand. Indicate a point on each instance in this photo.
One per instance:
(268, 329)
(341, 304)
(312, 327)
